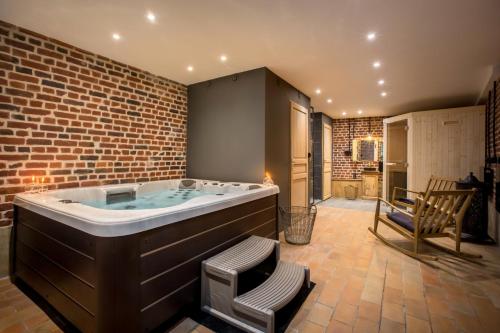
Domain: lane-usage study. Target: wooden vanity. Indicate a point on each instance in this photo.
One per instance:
(370, 185)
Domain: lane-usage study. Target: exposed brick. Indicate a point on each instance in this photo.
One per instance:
(11, 141)
(19, 44)
(39, 142)
(51, 128)
(54, 84)
(72, 102)
(10, 107)
(24, 70)
(17, 92)
(36, 165)
(13, 157)
(35, 65)
(17, 124)
(81, 118)
(50, 53)
(33, 111)
(8, 58)
(98, 94)
(343, 166)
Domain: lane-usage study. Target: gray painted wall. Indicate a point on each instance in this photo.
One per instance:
(239, 128)
(279, 93)
(226, 128)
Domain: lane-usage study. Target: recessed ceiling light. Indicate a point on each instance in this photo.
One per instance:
(383, 94)
(360, 111)
(381, 82)
(329, 101)
(371, 36)
(223, 58)
(151, 17)
(116, 36)
(376, 64)
(344, 113)
(318, 91)
(190, 68)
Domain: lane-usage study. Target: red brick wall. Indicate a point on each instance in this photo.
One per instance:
(493, 216)
(343, 166)
(81, 119)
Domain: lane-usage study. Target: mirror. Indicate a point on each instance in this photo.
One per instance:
(366, 150)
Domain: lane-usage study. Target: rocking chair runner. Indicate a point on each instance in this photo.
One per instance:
(434, 183)
(435, 212)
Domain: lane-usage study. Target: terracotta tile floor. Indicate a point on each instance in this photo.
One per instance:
(361, 286)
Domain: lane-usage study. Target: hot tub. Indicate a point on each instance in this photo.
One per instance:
(99, 255)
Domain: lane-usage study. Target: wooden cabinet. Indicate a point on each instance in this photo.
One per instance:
(370, 188)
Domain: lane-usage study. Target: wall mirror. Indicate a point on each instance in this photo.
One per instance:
(366, 149)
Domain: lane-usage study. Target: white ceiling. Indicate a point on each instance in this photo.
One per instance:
(434, 53)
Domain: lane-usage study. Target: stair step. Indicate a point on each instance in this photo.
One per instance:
(242, 256)
(276, 292)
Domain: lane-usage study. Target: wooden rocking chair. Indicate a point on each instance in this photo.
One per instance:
(436, 211)
(434, 183)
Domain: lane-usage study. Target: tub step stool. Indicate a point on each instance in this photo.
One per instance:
(254, 310)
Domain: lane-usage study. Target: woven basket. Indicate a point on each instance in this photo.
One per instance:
(351, 192)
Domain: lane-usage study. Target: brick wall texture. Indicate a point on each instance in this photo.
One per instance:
(492, 150)
(81, 119)
(343, 166)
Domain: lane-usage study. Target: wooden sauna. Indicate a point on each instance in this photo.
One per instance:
(447, 143)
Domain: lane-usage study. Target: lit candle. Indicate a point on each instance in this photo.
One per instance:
(43, 180)
(33, 179)
(267, 179)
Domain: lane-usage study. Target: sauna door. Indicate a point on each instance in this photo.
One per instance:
(396, 163)
(327, 161)
(299, 122)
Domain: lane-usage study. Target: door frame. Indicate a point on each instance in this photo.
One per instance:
(409, 157)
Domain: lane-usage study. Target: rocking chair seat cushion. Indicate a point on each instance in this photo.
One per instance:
(406, 201)
(401, 219)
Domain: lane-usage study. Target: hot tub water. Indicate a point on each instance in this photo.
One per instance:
(152, 200)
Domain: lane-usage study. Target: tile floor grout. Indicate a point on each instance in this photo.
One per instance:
(362, 285)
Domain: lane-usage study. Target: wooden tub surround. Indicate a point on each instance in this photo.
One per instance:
(129, 283)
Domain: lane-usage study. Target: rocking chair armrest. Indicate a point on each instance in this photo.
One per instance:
(395, 208)
(400, 189)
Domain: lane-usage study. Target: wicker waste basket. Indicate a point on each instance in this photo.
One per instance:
(298, 223)
(351, 192)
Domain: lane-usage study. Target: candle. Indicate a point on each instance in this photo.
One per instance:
(33, 179)
(43, 180)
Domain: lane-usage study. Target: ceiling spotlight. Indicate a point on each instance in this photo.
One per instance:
(371, 36)
(190, 68)
(381, 82)
(383, 94)
(318, 91)
(116, 36)
(151, 17)
(329, 101)
(360, 111)
(376, 64)
(344, 113)
(223, 58)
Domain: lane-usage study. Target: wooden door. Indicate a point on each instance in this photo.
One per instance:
(370, 185)
(299, 125)
(327, 161)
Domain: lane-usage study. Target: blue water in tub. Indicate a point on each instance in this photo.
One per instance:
(160, 199)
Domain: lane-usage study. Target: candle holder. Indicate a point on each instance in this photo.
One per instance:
(35, 186)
